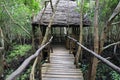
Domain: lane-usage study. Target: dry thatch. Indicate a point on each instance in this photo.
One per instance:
(66, 14)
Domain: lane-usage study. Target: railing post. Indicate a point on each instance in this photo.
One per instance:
(49, 53)
(70, 46)
(51, 48)
(40, 67)
(114, 67)
(67, 43)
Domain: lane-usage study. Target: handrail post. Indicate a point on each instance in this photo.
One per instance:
(49, 53)
(40, 67)
(70, 46)
(51, 48)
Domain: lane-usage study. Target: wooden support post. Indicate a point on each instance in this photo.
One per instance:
(49, 54)
(40, 67)
(70, 46)
(51, 48)
(60, 34)
(67, 43)
(33, 37)
(76, 30)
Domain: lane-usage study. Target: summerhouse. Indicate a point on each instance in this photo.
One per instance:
(66, 21)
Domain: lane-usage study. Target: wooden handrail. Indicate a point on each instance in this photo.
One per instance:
(114, 67)
(22, 67)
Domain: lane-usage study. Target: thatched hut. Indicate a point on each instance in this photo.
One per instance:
(66, 16)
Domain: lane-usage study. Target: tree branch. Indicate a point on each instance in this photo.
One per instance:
(111, 45)
(114, 67)
(14, 20)
(26, 62)
(116, 23)
(51, 5)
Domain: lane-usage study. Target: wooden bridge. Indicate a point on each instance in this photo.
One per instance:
(61, 66)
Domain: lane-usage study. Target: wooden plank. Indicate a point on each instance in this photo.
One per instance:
(62, 73)
(61, 67)
(62, 76)
(61, 79)
(55, 66)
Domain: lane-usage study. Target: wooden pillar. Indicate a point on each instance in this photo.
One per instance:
(33, 37)
(74, 30)
(70, 47)
(40, 66)
(61, 34)
(48, 53)
(44, 30)
(52, 31)
(67, 43)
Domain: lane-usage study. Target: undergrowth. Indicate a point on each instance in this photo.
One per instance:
(104, 72)
(15, 57)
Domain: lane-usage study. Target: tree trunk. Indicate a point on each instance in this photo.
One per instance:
(1, 64)
(77, 57)
(45, 39)
(96, 43)
(107, 27)
(1, 49)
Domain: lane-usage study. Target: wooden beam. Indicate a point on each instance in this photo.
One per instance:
(51, 6)
(111, 45)
(114, 67)
(26, 62)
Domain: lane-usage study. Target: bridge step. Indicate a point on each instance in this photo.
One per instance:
(61, 66)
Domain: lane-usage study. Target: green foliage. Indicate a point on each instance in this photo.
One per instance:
(87, 7)
(18, 50)
(21, 11)
(115, 75)
(102, 70)
(84, 68)
(8, 72)
(25, 75)
(106, 8)
(32, 4)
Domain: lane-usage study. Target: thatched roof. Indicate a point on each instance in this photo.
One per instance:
(66, 14)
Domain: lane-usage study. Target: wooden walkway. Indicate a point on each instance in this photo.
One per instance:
(61, 66)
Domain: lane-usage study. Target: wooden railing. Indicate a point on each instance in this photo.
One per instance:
(114, 67)
(26, 62)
